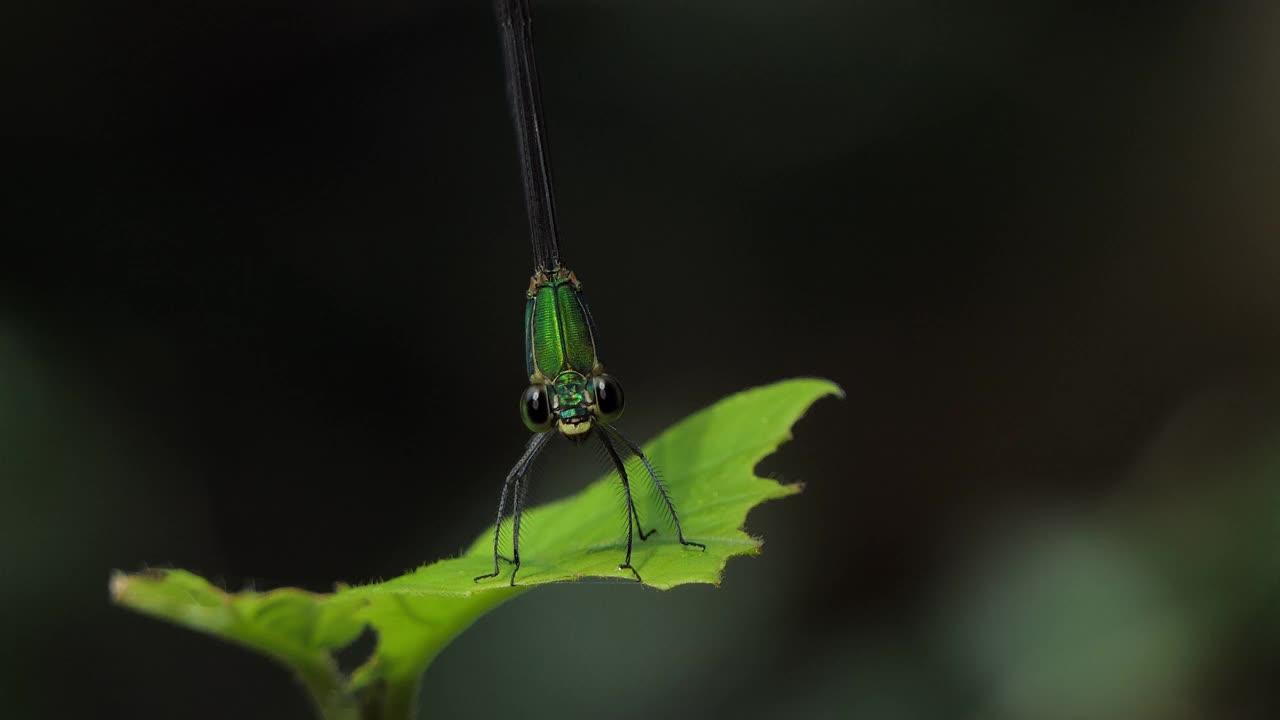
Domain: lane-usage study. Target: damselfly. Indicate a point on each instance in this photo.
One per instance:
(569, 391)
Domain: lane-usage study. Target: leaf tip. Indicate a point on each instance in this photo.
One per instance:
(120, 583)
(117, 585)
(827, 387)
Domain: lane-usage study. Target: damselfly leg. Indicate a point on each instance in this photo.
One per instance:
(631, 506)
(634, 449)
(515, 485)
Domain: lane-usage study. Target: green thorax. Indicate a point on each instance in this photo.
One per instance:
(559, 334)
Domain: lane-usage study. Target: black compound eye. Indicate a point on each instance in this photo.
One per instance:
(535, 408)
(608, 392)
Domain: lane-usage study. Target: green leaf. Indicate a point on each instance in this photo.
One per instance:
(708, 460)
(295, 627)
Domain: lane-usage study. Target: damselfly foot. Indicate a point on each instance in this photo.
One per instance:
(496, 571)
(486, 576)
(640, 528)
(627, 566)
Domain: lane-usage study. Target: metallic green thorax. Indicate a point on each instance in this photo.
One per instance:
(559, 336)
(560, 343)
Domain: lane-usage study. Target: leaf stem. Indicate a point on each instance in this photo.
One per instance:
(325, 686)
(401, 700)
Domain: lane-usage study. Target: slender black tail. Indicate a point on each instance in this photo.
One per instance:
(525, 97)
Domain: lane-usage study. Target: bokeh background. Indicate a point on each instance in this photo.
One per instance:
(262, 281)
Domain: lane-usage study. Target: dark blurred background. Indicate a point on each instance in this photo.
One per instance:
(262, 281)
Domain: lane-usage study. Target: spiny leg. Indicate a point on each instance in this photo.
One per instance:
(635, 512)
(497, 528)
(662, 490)
(631, 507)
(517, 510)
(522, 465)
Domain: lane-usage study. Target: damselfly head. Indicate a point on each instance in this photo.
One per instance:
(571, 404)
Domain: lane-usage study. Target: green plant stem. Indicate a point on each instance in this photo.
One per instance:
(325, 686)
(401, 700)
(408, 655)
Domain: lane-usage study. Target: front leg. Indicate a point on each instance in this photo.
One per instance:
(657, 482)
(516, 512)
(631, 506)
(513, 484)
(497, 528)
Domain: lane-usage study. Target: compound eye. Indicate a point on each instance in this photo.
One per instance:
(535, 408)
(608, 392)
